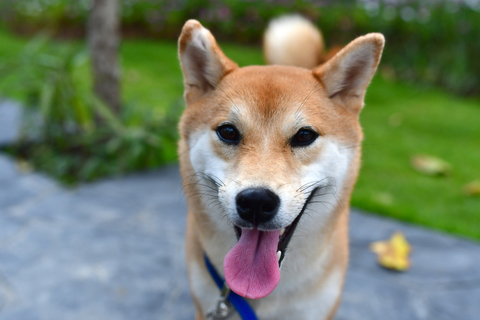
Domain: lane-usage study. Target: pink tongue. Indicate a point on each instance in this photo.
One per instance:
(251, 266)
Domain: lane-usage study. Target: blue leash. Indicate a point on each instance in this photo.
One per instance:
(243, 308)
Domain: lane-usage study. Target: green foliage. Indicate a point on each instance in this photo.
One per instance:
(46, 75)
(68, 132)
(401, 121)
(428, 42)
(436, 45)
(104, 152)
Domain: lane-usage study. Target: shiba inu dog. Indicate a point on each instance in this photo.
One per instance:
(269, 157)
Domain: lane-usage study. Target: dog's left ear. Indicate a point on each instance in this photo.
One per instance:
(203, 63)
(347, 75)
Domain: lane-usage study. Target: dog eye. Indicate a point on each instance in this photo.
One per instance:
(303, 137)
(228, 134)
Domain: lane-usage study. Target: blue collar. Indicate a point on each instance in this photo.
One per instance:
(241, 305)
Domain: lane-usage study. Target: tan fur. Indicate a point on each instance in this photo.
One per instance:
(268, 105)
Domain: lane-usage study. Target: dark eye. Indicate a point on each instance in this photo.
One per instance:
(303, 137)
(228, 134)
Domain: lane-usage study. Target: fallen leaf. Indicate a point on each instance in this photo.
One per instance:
(383, 198)
(472, 188)
(393, 253)
(430, 165)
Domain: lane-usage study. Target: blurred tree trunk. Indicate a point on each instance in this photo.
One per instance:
(103, 32)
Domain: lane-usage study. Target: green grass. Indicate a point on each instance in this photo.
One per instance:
(432, 123)
(10, 46)
(399, 121)
(152, 74)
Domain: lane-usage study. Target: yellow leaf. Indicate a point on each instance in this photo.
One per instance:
(430, 165)
(472, 188)
(393, 253)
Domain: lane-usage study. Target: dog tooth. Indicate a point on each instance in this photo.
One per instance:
(279, 255)
(282, 232)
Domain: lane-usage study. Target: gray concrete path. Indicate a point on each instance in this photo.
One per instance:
(114, 250)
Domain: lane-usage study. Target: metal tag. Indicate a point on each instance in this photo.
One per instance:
(223, 309)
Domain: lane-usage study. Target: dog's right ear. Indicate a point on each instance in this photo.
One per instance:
(203, 63)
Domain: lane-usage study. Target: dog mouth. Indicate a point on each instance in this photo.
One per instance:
(285, 236)
(285, 233)
(252, 266)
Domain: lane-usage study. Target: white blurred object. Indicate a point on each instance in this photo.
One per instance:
(294, 41)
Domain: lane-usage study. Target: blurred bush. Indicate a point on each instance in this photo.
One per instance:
(433, 42)
(68, 132)
(434, 45)
(47, 76)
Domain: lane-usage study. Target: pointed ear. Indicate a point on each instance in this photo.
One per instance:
(203, 63)
(347, 75)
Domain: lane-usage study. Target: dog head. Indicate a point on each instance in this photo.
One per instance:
(266, 142)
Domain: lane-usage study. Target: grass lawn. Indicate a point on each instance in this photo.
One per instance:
(430, 122)
(399, 120)
(152, 73)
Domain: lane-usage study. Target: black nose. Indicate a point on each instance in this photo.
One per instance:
(257, 205)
